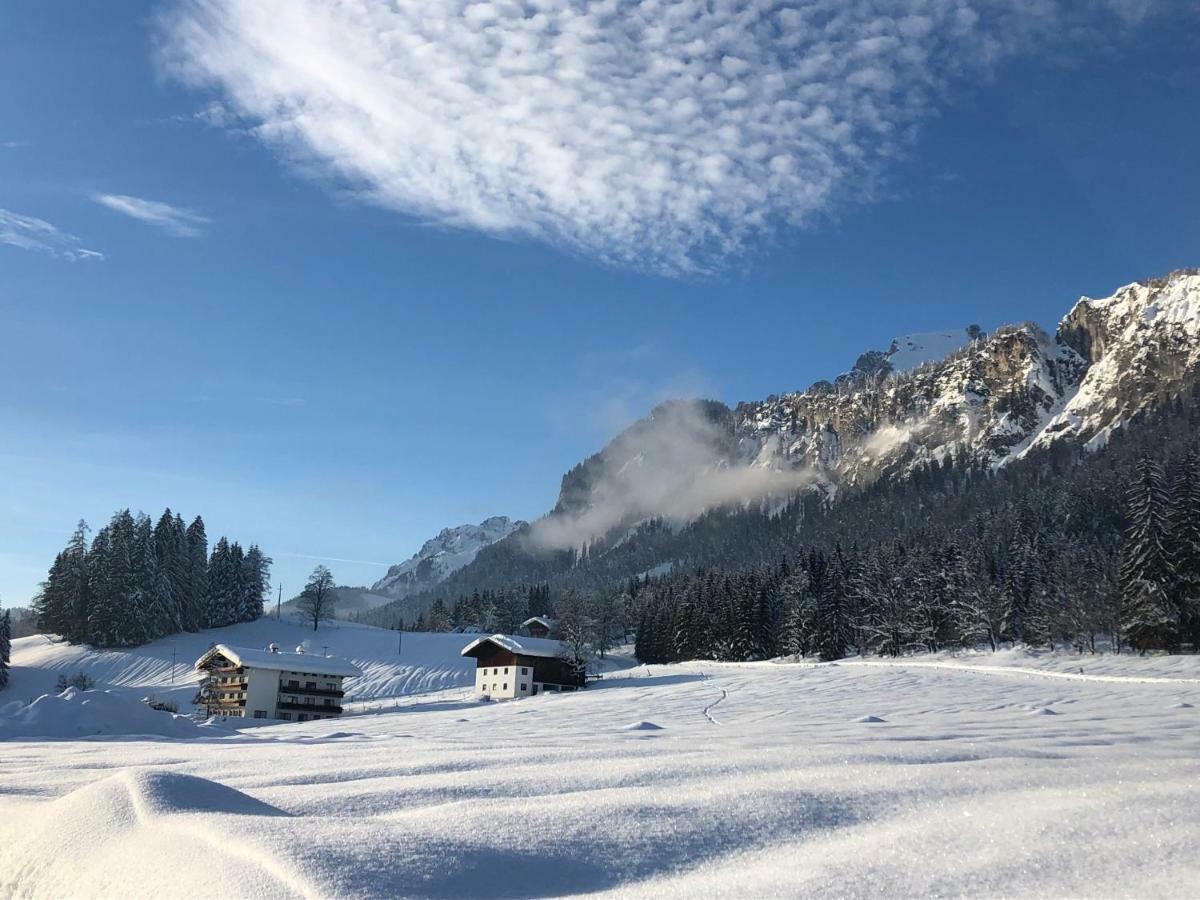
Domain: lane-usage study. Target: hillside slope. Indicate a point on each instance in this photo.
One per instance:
(428, 662)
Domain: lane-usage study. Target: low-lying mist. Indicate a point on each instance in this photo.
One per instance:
(675, 465)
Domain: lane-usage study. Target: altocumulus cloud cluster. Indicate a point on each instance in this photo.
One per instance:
(662, 134)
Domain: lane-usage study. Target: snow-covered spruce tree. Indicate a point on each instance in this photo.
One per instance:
(256, 582)
(798, 614)
(167, 596)
(52, 603)
(218, 608)
(833, 627)
(76, 587)
(1148, 617)
(5, 646)
(195, 603)
(1183, 544)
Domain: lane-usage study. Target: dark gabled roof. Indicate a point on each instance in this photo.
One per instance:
(522, 646)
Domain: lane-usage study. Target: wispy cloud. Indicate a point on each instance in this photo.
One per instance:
(176, 220)
(361, 562)
(660, 135)
(30, 233)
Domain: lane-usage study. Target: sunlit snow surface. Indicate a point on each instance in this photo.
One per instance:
(689, 780)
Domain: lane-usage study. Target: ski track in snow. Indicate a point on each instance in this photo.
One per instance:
(708, 709)
(861, 778)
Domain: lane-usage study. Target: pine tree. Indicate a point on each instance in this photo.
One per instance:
(52, 603)
(1184, 544)
(195, 605)
(1148, 616)
(256, 581)
(76, 585)
(833, 627)
(221, 587)
(5, 646)
(169, 582)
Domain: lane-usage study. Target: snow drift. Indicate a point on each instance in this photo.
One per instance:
(78, 714)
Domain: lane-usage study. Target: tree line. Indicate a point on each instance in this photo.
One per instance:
(1050, 587)
(137, 581)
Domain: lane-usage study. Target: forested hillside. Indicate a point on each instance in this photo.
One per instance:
(1063, 547)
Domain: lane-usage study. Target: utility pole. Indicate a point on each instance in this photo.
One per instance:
(279, 603)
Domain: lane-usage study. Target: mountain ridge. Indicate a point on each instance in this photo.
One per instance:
(994, 400)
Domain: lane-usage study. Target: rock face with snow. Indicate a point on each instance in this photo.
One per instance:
(1142, 345)
(963, 395)
(452, 549)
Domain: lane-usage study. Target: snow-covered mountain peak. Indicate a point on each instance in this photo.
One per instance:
(438, 557)
(1142, 347)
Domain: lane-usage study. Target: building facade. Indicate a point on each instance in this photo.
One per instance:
(271, 684)
(509, 667)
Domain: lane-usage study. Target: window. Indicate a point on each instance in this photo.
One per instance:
(329, 701)
(303, 717)
(310, 685)
(506, 670)
(504, 687)
(308, 701)
(287, 717)
(293, 683)
(524, 671)
(524, 687)
(260, 714)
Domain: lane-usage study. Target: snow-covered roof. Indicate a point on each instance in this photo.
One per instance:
(282, 662)
(549, 623)
(522, 646)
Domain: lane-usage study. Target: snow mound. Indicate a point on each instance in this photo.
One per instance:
(162, 793)
(75, 714)
(643, 726)
(870, 719)
(1043, 711)
(1182, 704)
(135, 834)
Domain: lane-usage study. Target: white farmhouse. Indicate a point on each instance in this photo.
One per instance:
(508, 666)
(270, 684)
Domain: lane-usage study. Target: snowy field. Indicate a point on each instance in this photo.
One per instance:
(993, 774)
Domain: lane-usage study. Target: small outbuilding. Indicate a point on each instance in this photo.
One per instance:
(508, 667)
(538, 627)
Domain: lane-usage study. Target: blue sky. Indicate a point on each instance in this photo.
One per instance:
(334, 319)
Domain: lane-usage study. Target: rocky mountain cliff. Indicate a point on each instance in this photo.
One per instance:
(990, 399)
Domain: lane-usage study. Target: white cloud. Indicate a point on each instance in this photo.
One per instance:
(660, 134)
(29, 233)
(177, 221)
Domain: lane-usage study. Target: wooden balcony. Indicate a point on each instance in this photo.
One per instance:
(310, 708)
(310, 692)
